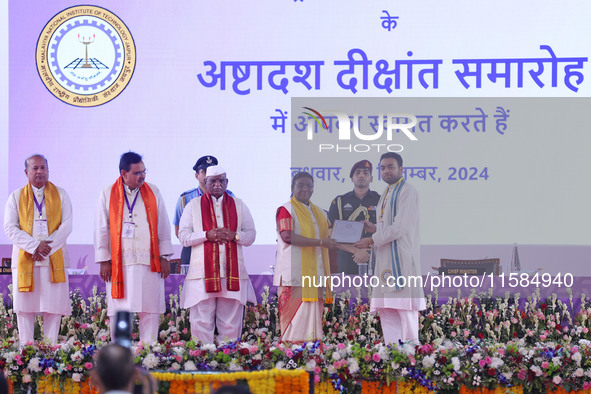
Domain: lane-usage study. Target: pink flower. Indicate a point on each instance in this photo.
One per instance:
(288, 353)
(88, 365)
(585, 330)
(317, 369)
(453, 334)
(8, 326)
(542, 337)
(29, 343)
(84, 326)
(367, 358)
(521, 375)
(376, 357)
(501, 351)
(341, 346)
(545, 364)
(586, 386)
(488, 360)
(69, 367)
(46, 372)
(178, 358)
(27, 378)
(226, 351)
(185, 330)
(557, 379)
(316, 379)
(481, 363)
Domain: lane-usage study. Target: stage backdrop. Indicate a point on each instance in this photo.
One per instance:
(176, 81)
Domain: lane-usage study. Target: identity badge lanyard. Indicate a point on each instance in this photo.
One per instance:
(40, 223)
(128, 230)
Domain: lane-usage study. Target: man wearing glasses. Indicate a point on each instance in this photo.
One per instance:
(132, 244)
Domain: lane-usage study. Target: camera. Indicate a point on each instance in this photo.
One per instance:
(123, 328)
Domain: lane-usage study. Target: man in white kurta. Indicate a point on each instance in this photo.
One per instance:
(143, 287)
(51, 300)
(222, 307)
(397, 246)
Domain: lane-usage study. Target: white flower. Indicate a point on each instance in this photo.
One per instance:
(408, 349)
(537, 370)
(428, 361)
(331, 369)
(577, 358)
(77, 377)
(280, 365)
(557, 379)
(404, 371)
(34, 365)
(157, 349)
(336, 356)
(175, 366)
(557, 361)
(150, 361)
(214, 364)
(395, 366)
(476, 357)
(76, 356)
(579, 372)
(456, 363)
(210, 347)
(384, 353)
(310, 365)
(496, 362)
(190, 366)
(507, 375)
(353, 365)
(584, 342)
(234, 366)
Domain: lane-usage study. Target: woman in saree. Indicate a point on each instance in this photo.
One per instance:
(302, 263)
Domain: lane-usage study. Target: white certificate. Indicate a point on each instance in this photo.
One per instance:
(347, 232)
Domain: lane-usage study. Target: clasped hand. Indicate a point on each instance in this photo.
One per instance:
(220, 235)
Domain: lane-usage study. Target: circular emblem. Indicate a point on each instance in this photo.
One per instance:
(85, 56)
(386, 274)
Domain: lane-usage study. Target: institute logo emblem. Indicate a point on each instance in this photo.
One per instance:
(85, 56)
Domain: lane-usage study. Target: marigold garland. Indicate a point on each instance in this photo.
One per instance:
(268, 381)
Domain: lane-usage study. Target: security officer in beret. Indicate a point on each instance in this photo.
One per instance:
(200, 169)
(357, 205)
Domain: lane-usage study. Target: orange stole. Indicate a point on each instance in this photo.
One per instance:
(26, 213)
(116, 204)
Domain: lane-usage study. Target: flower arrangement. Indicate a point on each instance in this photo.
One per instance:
(475, 343)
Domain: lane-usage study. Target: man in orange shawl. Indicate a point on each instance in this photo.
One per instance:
(37, 220)
(132, 245)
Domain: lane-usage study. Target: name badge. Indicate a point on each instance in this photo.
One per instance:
(41, 228)
(128, 230)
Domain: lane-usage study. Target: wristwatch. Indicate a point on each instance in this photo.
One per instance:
(236, 237)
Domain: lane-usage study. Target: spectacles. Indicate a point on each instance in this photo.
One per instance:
(139, 173)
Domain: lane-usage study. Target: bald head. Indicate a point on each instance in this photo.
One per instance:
(37, 170)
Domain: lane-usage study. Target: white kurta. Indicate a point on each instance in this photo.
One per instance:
(405, 231)
(191, 234)
(46, 296)
(144, 290)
